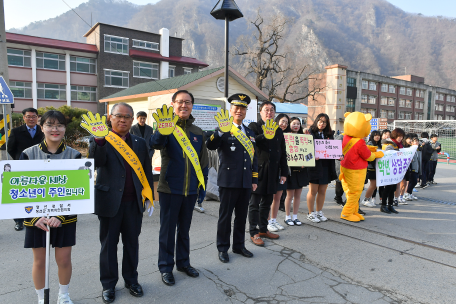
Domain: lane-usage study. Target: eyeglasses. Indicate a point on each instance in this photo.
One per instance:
(182, 102)
(31, 117)
(52, 127)
(322, 122)
(269, 111)
(122, 116)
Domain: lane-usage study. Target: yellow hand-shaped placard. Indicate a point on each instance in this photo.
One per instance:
(269, 129)
(166, 123)
(224, 121)
(95, 125)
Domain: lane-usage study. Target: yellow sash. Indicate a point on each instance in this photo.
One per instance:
(244, 140)
(130, 156)
(187, 147)
(350, 145)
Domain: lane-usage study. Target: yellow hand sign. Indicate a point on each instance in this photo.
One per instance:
(269, 129)
(95, 125)
(224, 120)
(166, 123)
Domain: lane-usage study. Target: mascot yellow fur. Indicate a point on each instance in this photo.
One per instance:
(353, 167)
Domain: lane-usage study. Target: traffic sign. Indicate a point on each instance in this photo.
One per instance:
(6, 96)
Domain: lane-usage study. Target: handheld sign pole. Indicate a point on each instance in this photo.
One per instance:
(46, 277)
(6, 130)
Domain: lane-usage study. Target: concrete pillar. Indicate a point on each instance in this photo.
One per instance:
(68, 79)
(34, 85)
(164, 51)
(336, 82)
(359, 92)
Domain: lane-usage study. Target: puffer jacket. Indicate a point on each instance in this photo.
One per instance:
(388, 144)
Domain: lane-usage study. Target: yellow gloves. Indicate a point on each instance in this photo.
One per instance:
(372, 148)
(269, 129)
(95, 125)
(166, 123)
(224, 121)
(379, 154)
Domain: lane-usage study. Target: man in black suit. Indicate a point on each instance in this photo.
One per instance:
(118, 203)
(143, 130)
(23, 137)
(237, 176)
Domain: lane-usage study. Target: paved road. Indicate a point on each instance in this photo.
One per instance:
(404, 258)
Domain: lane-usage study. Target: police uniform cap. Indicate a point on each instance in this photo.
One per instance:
(239, 99)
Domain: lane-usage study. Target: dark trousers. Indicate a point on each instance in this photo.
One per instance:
(19, 221)
(176, 211)
(432, 167)
(236, 199)
(339, 192)
(413, 180)
(259, 207)
(424, 172)
(388, 194)
(127, 222)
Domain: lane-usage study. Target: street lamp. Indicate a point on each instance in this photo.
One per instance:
(229, 11)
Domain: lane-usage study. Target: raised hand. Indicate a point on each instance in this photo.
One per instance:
(95, 125)
(224, 121)
(166, 120)
(269, 129)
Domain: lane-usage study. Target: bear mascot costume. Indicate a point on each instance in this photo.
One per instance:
(353, 167)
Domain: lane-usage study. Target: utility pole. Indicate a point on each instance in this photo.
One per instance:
(4, 69)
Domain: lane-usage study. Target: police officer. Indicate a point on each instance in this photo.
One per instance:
(237, 175)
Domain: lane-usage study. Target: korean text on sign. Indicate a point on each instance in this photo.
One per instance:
(328, 148)
(300, 150)
(392, 167)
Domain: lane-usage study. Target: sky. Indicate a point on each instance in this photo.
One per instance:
(17, 16)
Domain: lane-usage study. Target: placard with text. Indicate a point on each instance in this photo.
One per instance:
(392, 167)
(300, 150)
(328, 148)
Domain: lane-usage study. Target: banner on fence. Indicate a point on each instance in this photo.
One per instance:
(392, 167)
(300, 150)
(328, 148)
(31, 188)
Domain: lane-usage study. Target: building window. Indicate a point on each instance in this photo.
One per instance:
(450, 108)
(441, 97)
(438, 107)
(408, 103)
(409, 92)
(51, 91)
(19, 58)
(390, 114)
(363, 98)
(372, 112)
(146, 45)
(365, 84)
(384, 87)
(50, 61)
(187, 71)
(408, 115)
(383, 113)
(439, 117)
(171, 71)
(402, 91)
(145, 70)
(384, 102)
(116, 78)
(351, 82)
(401, 115)
(421, 94)
(453, 99)
(391, 101)
(80, 93)
(449, 117)
(21, 89)
(350, 105)
(118, 45)
(372, 100)
(402, 103)
(82, 65)
(419, 105)
(417, 93)
(418, 116)
(392, 89)
(372, 86)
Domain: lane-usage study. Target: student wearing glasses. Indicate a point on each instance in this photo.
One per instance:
(23, 137)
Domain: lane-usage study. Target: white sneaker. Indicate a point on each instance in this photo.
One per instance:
(373, 201)
(64, 299)
(413, 197)
(407, 197)
(278, 226)
(272, 227)
(199, 208)
(313, 217)
(368, 203)
(402, 202)
(289, 222)
(321, 216)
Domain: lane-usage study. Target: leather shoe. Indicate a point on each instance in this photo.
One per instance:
(224, 257)
(243, 252)
(168, 278)
(189, 270)
(392, 210)
(269, 235)
(135, 289)
(257, 240)
(385, 209)
(361, 212)
(18, 226)
(108, 295)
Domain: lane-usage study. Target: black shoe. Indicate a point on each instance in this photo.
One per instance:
(168, 278)
(395, 202)
(243, 252)
(224, 257)
(189, 270)
(282, 208)
(361, 212)
(135, 289)
(385, 209)
(108, 295)
(19, 226)
(391, 209)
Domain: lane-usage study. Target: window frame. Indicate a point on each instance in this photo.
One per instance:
(394, 101)
(116, 52)
(145, 47)
(402, 90)
(13, 86)
(372, 86)
(402, 102)
(384, 101)
(60, 89)
(186, 70)
(23, 56)
(365, 82)
(383, 111)
(384, 85)
(391, 89)
(117, 71)
(351, 82)
(53, 59)
(364, 98)
(372, 98)
(94, 64)
(409, 92)
(152, 69)
(408, 103)
(171, 68)
(83, 91)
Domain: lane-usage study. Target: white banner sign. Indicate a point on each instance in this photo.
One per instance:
(204, 116)
(392, 167)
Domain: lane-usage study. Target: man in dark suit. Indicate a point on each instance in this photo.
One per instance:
(118, 203)
(143, 130)
(272, 161)
(23, 137)
(237, 176)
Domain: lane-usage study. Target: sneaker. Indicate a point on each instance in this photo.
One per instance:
(434, 183)
(373, 201)
(313, 217)
(64, 299)
(321, 216)
(403, 202)
(289, 222)
(368, 203)
(413, 197)
(408, 197)
(278, 226)
(199, 208)
(425, 186)
(418, 186)
(297, 222)
(395, 202)
(400, 199)
(414, 190)
(272, 227)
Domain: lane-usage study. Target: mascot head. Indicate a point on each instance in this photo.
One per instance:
(357, 124)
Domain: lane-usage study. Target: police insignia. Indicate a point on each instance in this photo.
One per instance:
(195, 139)
(28, 209)
(242, 97)
(212, 137)
(252, 138)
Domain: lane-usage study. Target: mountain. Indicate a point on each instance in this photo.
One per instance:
(367, 35)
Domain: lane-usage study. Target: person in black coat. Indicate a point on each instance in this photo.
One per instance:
(24, 137)
(272, 160)
(143, 130)
(322, 174)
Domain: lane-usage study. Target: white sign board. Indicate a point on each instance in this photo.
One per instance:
(392, 167)
(204, 116)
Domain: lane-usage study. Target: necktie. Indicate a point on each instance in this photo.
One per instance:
(240, 128)
(32, 132)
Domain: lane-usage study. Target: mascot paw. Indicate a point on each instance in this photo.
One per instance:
(350, 218)
(379, 154)
(372, 148)
(360, 216)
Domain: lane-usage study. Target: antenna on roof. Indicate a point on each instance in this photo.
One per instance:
(91, 19)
